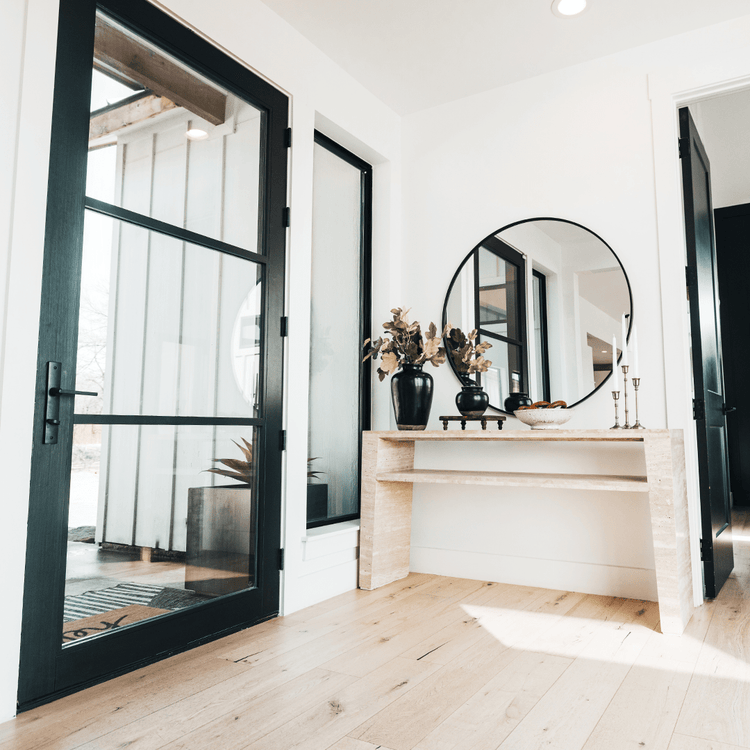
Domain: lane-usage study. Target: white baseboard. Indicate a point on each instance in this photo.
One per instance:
(318, 585)
(585, 578)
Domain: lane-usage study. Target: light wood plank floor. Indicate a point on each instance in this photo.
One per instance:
(435, 663)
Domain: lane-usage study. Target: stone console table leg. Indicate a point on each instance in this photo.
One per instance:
(665, 468)
(385, 523)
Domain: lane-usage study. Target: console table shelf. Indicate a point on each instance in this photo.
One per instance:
(517, 479)
(388, 477)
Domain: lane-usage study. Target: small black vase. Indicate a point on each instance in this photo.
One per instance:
(515, 400)
(411, 390)
(472, 401)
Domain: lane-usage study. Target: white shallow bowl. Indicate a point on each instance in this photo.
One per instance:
(543, 419)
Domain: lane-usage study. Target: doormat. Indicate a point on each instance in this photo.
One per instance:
(116, 618)
(125, 594)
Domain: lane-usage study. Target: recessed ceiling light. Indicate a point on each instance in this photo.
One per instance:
(196, 134)
(568, 8)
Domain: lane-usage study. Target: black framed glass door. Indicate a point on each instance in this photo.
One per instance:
(154, 517)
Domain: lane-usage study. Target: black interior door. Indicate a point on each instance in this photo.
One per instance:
(194, 272)
(708, 377)
(733, 255)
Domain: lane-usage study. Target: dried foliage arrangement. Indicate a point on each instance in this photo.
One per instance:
(406, 345)
(240, 470)
(468, 356)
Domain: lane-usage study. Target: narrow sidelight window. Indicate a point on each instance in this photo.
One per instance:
(340, 320)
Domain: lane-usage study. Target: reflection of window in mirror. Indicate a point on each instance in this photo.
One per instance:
(556, 343)
(500, 303)
(541, 355)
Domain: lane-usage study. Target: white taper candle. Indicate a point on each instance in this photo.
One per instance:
(624, 341)
(616, 380)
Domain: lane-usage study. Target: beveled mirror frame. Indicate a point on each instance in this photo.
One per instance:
(476, 248)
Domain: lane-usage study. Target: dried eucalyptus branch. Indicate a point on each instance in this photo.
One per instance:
(468, 357)
(406, 345)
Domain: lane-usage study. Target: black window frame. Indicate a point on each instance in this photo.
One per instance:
(510, 255)
(365, 308)
(543, 331)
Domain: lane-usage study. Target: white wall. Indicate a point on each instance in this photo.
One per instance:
(322, 96)
(578, 144)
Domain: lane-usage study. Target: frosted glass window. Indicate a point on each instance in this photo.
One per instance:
(336, 338)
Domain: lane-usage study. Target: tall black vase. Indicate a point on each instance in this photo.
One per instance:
(411, 390)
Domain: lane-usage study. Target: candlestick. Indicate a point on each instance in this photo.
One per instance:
(616, 425)
(637, 425)
(625, 368)
(624, 360)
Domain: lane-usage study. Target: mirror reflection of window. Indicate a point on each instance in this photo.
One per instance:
(500, 313)
(541, 356)
(578, 292)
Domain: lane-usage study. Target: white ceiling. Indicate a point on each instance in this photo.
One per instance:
(415, 54)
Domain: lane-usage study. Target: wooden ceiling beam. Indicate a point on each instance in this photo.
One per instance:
(128, 114)
(134, 60)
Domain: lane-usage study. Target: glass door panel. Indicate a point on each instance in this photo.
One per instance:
(166, 327)
(168, 143)
(151, 528)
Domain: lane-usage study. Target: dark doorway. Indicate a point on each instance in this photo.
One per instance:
(709, 405)
(162, 297)
(733, 260)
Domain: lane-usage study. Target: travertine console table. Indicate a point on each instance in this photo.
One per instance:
(389, 474)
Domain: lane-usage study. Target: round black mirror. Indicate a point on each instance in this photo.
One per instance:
(550, 296)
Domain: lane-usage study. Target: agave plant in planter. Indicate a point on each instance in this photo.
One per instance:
(402, 356)
(317, 494)
(238, 469)
(468, 359)
(220, 549)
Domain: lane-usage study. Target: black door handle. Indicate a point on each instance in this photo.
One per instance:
(55, 391)
(728, 409)
(52, 410)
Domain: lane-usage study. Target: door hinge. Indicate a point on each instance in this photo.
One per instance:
(288, 138)
(699, 409)
(287, 217)
(683, 145)
(284, 325)
(281, 559)
(705, 551)
(282, 440)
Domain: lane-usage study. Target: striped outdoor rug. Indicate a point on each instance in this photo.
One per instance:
(105, 600)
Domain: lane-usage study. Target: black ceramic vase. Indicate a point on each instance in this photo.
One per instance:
(472, 401)
(411, 390)
(515, 400)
